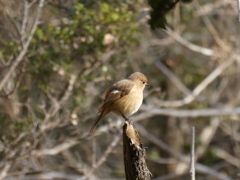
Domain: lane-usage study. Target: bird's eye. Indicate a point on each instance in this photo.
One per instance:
(143, 82)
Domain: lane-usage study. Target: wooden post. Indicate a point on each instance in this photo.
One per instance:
(134, 153)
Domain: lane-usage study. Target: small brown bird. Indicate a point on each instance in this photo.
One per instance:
(124, 98)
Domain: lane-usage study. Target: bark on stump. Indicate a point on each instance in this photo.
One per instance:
(134, 153)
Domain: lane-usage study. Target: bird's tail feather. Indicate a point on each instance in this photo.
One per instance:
(102, 114)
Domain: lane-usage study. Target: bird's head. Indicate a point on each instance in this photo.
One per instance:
(139, 78)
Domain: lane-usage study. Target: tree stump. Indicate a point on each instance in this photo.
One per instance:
(134, 153)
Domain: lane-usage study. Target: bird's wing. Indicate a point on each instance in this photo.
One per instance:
(118, 90)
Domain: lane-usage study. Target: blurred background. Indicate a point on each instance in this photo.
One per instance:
(57, 58)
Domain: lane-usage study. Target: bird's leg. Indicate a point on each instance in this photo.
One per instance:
(124, 117)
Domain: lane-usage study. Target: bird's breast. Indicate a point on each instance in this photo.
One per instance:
(129, 104)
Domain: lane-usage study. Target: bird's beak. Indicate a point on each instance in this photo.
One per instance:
(147, 84)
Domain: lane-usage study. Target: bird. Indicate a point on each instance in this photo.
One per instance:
(123, 98)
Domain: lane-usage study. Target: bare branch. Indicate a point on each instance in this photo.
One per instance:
(210, 8)
(12, 155)
(45, 175)
(199, 167)
(193, 47)
(170, 176)
(5, 170)
(57, 149)
(175, 80)
(162, 42)
(18, 81)
(57, 104)
(238, 10)
(226, 156)
(69, 89)
(210, 78)
(107, 152)
(206, 136)
(24, 23)
(212, 30)
(180, 113)
(171, 76)
(21, 55)
(104, 156)
(149, 112)
(192, 168)
(2, 61)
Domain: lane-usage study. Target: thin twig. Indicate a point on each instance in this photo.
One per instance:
(192, 47)
(171, 76)
(170, 176)
(149, 111)
(206, 136)
(57, 104)
(48, 174)
(192, 168)
(208, 8)
(176, 81)
(225, 156)
(212, 30)
(4, 171)
(21, 55)
(15, 24)
(12, 156)
(107, 152)
(182, 158)
(200, 87)
(18, 81)
(194, 113)
(55, 150)
(2, 61)
(239, 11)
(104, 157)
(24, 22)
